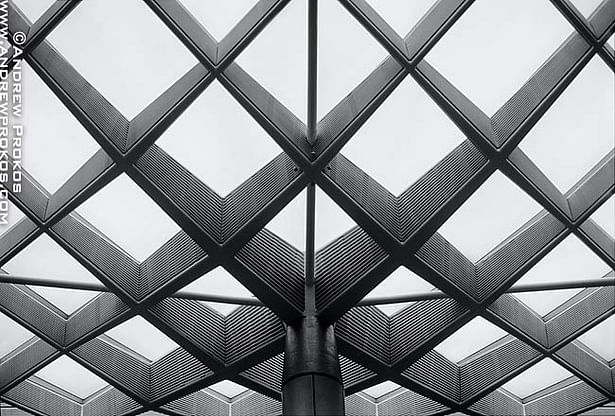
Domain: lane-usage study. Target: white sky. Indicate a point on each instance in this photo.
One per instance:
(13, 335)
(402, 15)
(381, 389)
(33, 9)
(228, 388)
(604, 216)
(143, 338)
(541, 375)
(470, 338)
(71, 376)
(218, 20)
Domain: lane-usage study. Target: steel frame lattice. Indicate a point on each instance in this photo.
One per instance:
(247, 345)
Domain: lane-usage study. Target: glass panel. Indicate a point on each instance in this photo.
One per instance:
(125, 214)
(13, 216)
(404, 138)
(401, 282)
(611, 41)
(290, 222)
(13, 335)
(118, 46)
(495, 211)
(331, 220)
(277, 58)
(33, 9)
(230, 147)
(142, 337)
(347, 54)
(540, 376)
(605, 216)
(218, 17)
(600, 339)
(470, 338)
(570, 260)
(586, 7)
(402, 15)
(67, 300)
(54, 145)
(496, 46)
(228, 388)
(72, 377)
(222, 283)
(578, 130)
(381, 389)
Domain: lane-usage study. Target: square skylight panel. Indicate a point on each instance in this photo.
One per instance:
(347, 54)
(33, 9)
(402, 16)
(217, 17)
(130, 57)
(578, 130)
(127, 216)
(55, 144)
(605, 216)
(142, 337)
(277, 58)
(401, 282)
(222, 283)
(289, 224)
(538, 377)
(13, 335)
(381, 389)
(218, 141)
(228, 388)
(494, 212)
(496, 45)
(72, 377)
(470, 338)
(403, 139)
(601, 339)
(13, 216)
(331, 220)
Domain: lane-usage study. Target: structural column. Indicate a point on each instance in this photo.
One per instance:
(312, 380)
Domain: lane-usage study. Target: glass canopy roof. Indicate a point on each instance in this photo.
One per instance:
(460, 154)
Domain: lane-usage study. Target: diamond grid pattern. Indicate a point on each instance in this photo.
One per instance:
(392, 231)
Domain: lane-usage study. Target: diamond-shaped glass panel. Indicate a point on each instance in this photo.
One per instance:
(605, 216)
(118, 46)
(470, 338)
(495, 211)
(13, 335)
(9, 218)
(228, 388)
(72, 377)
(218, 17)
(222, 283)
(331, 220)
(142, 337)
(570, 260)
(33, 9)
(401, 282)
(277, 58)
(402, 15)
(218, 141)
(578, 130)
(538, 377)
(347, 54)
(496, 46)
(381, 389)
(586, 7)
(54, 144)
(125, 214)
(403, 139)
(290, 222)
(600, 339)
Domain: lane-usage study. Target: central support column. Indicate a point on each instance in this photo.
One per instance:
(312, 380)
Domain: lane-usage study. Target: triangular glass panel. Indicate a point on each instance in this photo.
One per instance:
(33, 9)
(9, 218)
(538, 377)
(13, 335)
(381, 389)
(611, 41)
(221, 283)
(54, 145)
(72, 377)
(347, 54)
(229, 147)
(495, 211)
(118, 45)
(228, 389)
(570, 260)
(331, 220)
(402, 16)
(289, 224)
(129, 218)
(277, 58)
(586, 7)
(143, 338)
(488, 58)
(601, 339)
(578, 130)
(470, 338)
(67, 300)
(217, 17)
(604, 216)
(403, 139)
(401, 282)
